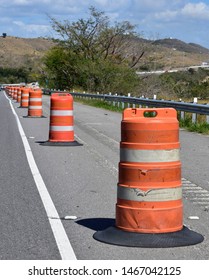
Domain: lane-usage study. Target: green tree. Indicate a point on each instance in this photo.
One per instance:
(90, 54)
(60, 66)
(13, 75)
(187, 84)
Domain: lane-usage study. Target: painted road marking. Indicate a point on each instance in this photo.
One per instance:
(63, 243)
(195, 193)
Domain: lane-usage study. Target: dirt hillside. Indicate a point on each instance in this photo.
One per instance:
(160, 54)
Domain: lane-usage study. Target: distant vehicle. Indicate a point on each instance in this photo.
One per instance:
(33, 84)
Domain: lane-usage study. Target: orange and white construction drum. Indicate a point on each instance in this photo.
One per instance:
(149, 209)
(61, 127)
(24, 97)
(35, 103)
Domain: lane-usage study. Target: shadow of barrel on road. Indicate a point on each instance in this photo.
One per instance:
(97, 224)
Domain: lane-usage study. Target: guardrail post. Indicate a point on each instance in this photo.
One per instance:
(147, 105)
(119, 104)
(182, 116)
(129, 95)
(207, 116)
(114, 101)
(123, 105)
(182, 113)
(194, 115)
(133, 105)
(109, 102)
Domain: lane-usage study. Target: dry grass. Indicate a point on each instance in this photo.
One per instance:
(18, 52)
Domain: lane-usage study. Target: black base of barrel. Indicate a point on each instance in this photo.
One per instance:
(116, 236)
(60, 144)
(34, 117)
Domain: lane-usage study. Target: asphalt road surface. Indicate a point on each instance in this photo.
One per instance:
(53, 199)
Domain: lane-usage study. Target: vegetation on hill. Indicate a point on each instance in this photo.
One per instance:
(187, 84)
(97, 56)
(181, 46)
(89, 55)
(178, 85)
(20, 58)
(13, 75)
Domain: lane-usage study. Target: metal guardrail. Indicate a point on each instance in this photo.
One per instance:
(179, 106)
(195, 108)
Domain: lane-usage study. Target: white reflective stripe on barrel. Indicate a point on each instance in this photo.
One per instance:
(61, 128)
(25, 94)
(133, 155)
(61, 112)
(35, 107)
(35, 99)
(164, 194)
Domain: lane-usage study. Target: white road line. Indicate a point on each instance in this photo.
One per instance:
(195, 194)
(204, 203)
(189, 185)
(197, 191)
(63, 243)
(200, 198)
(187, 188)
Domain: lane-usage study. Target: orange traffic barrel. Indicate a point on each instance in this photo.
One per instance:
(24, 97)
(18, 94)
(14, 93)
(35, 103)
(7, 89)
(149, 188)
(149, 205)
(61, 127)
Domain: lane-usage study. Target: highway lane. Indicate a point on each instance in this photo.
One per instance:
(82, 182)
(24, 229)
(194, 157)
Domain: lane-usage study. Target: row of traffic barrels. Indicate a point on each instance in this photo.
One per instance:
(61, 126)
(149, 208)
(30, 98)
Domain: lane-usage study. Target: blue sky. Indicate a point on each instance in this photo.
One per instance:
(181, 19)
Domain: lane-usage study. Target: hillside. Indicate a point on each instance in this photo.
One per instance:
(181, 46)
(17, 52)
(160, 54)
(172, 53)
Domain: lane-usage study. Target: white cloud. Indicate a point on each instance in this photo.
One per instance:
(32, 29)
(21, 2)
(152, 6)
(166, 15)
(167, 18)
(196, 11)
(110, 3)
(190, 11)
